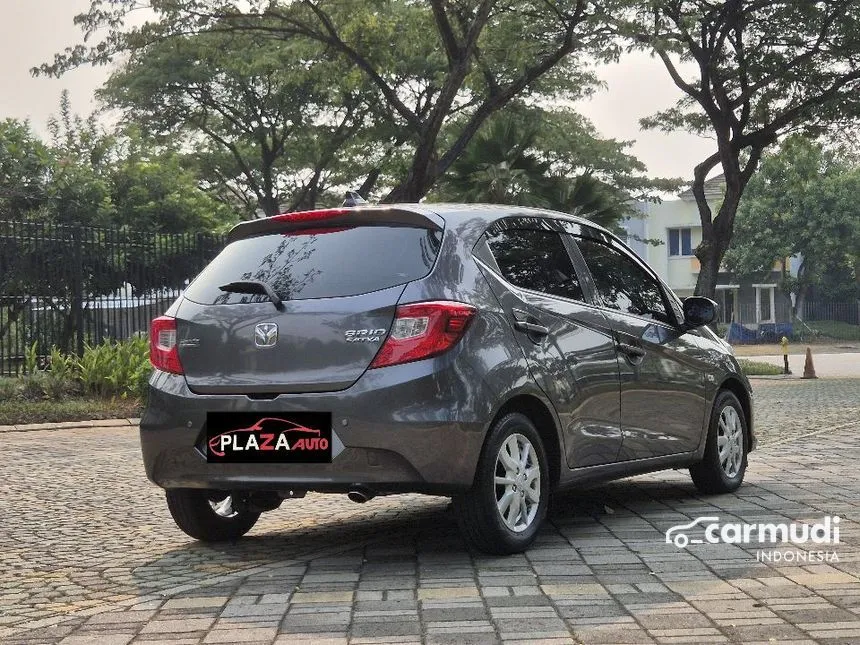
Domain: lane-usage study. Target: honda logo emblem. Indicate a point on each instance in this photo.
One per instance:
(266, 335)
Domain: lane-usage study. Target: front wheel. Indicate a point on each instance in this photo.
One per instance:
(725, 460)
(209, 516)
(507, 503)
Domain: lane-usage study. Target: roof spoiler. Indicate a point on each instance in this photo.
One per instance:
(338, 217)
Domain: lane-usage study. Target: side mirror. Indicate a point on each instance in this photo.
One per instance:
(699, 311)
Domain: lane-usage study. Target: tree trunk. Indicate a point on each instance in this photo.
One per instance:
(418, 181)
(716, 232)
(800, 301)
(709, 258)
(269, 204)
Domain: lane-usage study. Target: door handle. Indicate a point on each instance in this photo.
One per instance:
(528, 323)
(631, 350)
(530, 327)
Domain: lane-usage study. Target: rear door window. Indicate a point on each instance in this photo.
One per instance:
(323, 263)
(536, 260)
(622, 284)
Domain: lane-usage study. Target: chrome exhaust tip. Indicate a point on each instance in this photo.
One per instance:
(360, 496)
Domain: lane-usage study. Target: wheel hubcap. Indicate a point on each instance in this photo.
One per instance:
(517, 483)
(223, 507)
(730, 441)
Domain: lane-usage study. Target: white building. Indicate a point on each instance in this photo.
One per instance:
(677, 225)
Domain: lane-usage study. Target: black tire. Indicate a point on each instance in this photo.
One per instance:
(709, 475)
(193, 514)
(477, 512)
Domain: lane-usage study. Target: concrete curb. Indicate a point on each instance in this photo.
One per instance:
(773, 377)
(72, 425)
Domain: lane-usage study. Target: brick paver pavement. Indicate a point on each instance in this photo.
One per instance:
(88, 554)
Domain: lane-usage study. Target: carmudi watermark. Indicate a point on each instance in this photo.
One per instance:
(780, 541)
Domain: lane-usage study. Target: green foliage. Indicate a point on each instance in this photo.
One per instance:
(86, 177)
(18, 411)
(31, 359)
(834, 329)
(515, 159)
(749, 73)
(115, 368)
(33, 386)
(421, 77)
(803, 201)
(25, 168)
(61, 366)
(265, 128)
(8, 388)
(758, 368)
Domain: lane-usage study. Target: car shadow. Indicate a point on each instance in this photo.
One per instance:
(392, 529)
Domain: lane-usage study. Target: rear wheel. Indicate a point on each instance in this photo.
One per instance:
(507, 503)
(725, 460)
(209, 516)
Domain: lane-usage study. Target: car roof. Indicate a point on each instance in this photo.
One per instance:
(469, 221)
(455, 212)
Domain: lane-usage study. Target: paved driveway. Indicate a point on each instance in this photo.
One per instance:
(88, 554)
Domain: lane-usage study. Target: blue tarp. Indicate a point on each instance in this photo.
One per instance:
(773, 332)
(737, 333)
(762, 333)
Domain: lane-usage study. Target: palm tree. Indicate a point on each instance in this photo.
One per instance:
(501, 166)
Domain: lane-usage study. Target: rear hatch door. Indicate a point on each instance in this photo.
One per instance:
(339, 286)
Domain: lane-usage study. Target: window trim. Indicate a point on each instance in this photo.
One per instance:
(680, 253)
(771, 287)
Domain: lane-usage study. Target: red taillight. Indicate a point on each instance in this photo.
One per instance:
(422, 330)
(311, 216)
(163, 349)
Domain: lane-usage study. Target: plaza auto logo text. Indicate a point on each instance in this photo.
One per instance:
(268, 435)
(797, 541)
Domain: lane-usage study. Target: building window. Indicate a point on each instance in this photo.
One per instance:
(680, 242)
(764, 302)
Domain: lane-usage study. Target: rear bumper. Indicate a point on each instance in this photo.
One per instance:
(417, 427)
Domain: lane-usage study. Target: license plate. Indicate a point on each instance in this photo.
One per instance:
(294, 437)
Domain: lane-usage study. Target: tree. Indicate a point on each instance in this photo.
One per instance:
(550, 158)
(802, 202)
(267, 118)
(25, 169)
(158, 190)
(439, 69)
(749, 72)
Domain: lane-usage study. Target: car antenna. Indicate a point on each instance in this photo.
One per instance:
(353, 198)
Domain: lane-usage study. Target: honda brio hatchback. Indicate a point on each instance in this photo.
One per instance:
(493, 354)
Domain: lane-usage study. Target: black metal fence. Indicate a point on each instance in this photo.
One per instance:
(820, 322)
(65, 286)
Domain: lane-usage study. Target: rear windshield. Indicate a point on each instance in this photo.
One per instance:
(323, 263)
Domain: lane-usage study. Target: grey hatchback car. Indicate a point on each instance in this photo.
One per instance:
(493, 354)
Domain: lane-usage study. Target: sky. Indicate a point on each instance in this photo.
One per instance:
(32, 31)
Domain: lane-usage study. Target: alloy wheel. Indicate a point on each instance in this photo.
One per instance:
(730, 441)
(223, 507)
(517, 483)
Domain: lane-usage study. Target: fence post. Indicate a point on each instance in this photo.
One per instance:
(77, 290)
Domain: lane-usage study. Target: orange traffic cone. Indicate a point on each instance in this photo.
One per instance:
(808, 367)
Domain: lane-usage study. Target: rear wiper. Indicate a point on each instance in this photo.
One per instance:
(254, 286)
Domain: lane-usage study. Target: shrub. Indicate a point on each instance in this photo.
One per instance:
(31, 358)
(759, 368)
(33, 386)
(115, 368)
(8, 389)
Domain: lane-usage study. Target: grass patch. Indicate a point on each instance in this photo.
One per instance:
(20, 412)
(757, 368)
(832, 329)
